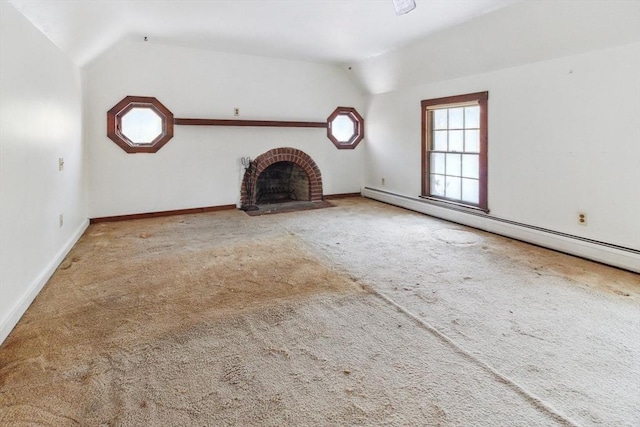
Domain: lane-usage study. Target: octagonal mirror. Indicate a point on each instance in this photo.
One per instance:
(140, 124)
(345, 127)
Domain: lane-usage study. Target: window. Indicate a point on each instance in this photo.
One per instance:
(140, 124)
(345, 127)
(454, 147)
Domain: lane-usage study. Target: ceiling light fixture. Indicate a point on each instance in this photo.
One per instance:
(404, 6)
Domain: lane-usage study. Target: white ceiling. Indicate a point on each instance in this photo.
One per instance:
(332, 31)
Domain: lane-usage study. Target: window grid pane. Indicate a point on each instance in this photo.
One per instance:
(456, 140)
(440, 119)
(455, 176)
(452, 187)
(456, 118)
(472, 140)
(472, 117)
(437, 185)
(437, 163)
(470, 166)
(470, 190)
(453, 165)
(440, 140)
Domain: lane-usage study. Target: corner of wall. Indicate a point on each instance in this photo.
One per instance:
(11, 319)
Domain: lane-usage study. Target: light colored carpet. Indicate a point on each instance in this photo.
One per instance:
(362, 314)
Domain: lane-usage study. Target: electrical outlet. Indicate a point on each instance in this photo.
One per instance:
(61, 220)
(236, 111)
(60, 163)
(582, 218)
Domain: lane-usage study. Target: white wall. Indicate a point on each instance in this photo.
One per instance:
(564, 137)
(200, 165)
(564, 133)
(522, 33)
(40, 121)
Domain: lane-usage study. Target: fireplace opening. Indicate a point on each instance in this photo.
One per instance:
(282, 182)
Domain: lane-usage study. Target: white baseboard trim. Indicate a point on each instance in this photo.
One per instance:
(11, 320)
(606, 253)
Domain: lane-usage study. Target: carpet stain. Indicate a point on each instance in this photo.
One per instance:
(456, 237)
(142, 298)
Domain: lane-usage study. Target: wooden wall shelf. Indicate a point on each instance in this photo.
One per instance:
(260, 123)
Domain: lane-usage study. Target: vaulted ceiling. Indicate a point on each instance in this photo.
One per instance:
(331, 31)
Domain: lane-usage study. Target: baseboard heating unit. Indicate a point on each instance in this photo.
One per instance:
(606, 253)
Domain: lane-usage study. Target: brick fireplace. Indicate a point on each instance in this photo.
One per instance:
(282, 174)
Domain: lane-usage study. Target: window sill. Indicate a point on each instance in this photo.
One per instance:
(451, 203)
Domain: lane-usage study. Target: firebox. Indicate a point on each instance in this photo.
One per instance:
(282, 182)
(281, 175)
